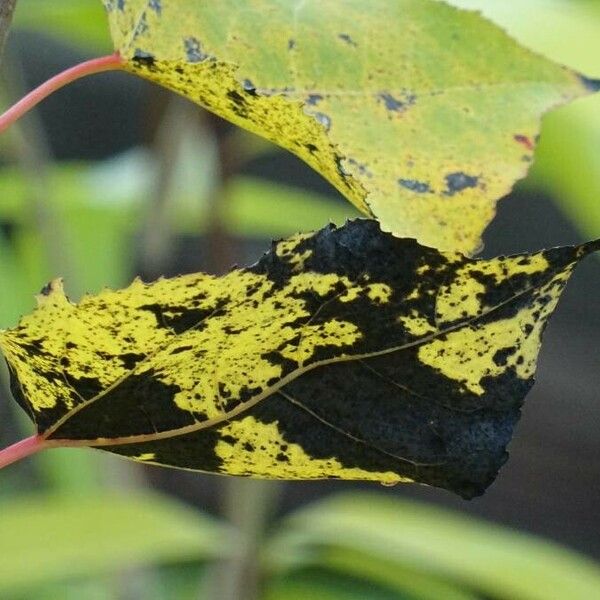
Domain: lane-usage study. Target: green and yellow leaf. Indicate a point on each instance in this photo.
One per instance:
(347, 353)
(421, 114)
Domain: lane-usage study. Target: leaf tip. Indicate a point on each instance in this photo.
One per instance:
(592, 85)
(589, 247)
(50, 291)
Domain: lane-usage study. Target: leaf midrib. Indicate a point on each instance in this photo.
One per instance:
(244, 406)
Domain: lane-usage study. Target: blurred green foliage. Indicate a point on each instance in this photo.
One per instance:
(81, 22)
(69, 539)
(75, 536)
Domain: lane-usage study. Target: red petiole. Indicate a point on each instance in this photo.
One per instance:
(22, 449)
(90, 67)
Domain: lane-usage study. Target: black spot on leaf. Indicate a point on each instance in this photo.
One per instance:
(193, 50)
(457, 182)
(323, 119)
(591, 84)
(394, 104)
(346, 38)
(144, 59)
(131, 359)
(420, 187)
(313, 99)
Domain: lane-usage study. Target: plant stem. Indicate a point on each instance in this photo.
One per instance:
(249, 506)
(90, 67)
(22, 449)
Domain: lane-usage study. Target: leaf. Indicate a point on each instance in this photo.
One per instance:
(422, 115)
(567, 164)
(374, 531)
(348, 353)
(68, 537)
(327, 586)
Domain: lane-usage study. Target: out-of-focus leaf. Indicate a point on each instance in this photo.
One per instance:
(568, 165)
(81, 22)
(393, 574)
(44, 539)
(420, 114)
(321, 585)
(347, 353)
(259, 208)
(492, 560)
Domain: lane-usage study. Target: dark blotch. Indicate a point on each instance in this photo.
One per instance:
(180, 318)
(524, 141)
(193, 50)
(144, 59)
(457, 182)
(323, 119)
(591, 84)
(249, 87)
(156, 6)
(395, 105)
(420, 187)
(501, 356)
(140, 404)
(236, 98)
(130, 359)
(45, 291)
(314, 99)
(346, 38)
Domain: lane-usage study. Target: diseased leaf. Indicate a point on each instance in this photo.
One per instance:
(421, 114)
(348, 354)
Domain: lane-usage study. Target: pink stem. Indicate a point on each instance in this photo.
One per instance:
(96, 65)
(22, 449)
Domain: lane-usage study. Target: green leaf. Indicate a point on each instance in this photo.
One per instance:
(494, 561)
(347, 353)
(407, 579)
(567, 164)
(327, 586)
(420, 114)
(46, 538)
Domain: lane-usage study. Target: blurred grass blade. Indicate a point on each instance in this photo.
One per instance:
(320, 585)
(44, 539)
(495, 561)
(414, 582)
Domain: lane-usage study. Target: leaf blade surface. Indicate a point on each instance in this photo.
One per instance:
(421, 114)
(346, 353)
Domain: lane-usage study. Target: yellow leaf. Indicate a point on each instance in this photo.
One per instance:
(421, 114)
(347, 353)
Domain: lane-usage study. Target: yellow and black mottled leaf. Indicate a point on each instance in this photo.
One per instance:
(347, 353)
(421, 114)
